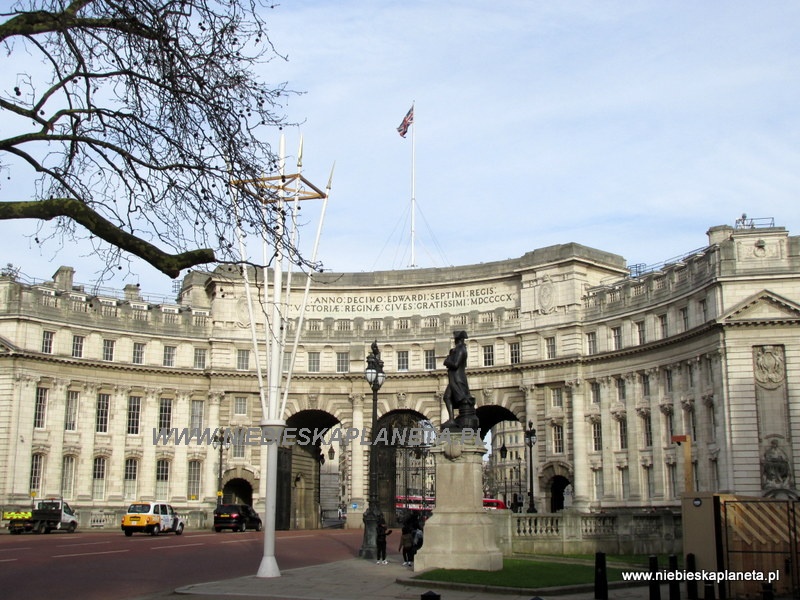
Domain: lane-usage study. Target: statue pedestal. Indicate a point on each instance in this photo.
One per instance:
(460, 534)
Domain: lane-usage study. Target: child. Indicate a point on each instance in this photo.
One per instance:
(407, 545)
(383, 533)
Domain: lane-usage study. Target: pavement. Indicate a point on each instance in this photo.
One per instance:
(357, 578)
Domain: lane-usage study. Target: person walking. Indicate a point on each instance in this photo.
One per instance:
(382, 533)
(407, 545)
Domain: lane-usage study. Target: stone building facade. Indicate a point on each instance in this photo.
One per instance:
(607, 364)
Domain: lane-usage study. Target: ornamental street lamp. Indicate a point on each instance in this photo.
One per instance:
(375, 377)
(519, 484)
(530, 442)
(220, 442)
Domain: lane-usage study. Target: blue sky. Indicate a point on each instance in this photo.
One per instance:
(627, 126)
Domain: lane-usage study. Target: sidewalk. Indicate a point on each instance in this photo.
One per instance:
(357, 578)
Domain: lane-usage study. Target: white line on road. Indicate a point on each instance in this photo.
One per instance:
(89, 553)
(82, 544)
(178, 546)
(2, 560)
(14, 549)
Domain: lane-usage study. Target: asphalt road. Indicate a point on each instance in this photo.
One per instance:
(110, 566)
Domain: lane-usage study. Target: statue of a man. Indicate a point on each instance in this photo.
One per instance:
(457, 391)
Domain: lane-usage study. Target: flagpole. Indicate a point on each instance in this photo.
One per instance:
(413, 188)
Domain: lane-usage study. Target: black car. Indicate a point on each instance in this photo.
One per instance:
(236, 517)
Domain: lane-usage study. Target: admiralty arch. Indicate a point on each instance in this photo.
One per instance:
(610, 363)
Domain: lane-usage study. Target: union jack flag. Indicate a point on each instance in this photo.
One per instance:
(408, 121)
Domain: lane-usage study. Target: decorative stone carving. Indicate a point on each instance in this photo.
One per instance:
(769, 366)
(356, 400)
(666, 406)
(775, 468)
(555, 416)
(643, 409)
(592, 414)
(547, 295)
(708, 400)
(618, 411)
(687, 403)
(401, 400)
(488, 395)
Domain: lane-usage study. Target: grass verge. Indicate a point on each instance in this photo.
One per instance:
(522, 573)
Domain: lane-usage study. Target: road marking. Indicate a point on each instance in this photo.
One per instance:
(2, 560)
(14, 549)
(83, 544)
(295, 537)
(179, 546)
(89, 553)
(238, 541)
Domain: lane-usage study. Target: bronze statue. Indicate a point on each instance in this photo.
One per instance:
(457, 396)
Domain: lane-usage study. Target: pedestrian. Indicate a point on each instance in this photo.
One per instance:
(416, 538)
(407, 546)
(382, 533)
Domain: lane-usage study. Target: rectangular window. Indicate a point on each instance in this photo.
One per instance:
(558, 439)
(196, 419)
(672, 472)
(650, 481)
(430, 360)
(99, 478)
(591, 342)
(668, 381)
(108, 350)
(138, 353)
(164, 413)
(647, 431)
(684, 317)
(488, 356)
(67, 476)
(550, 347)
(402, 360)
(77, 346)
(623, 434)
(313, 362)
(669, 425)
(703, 305)
(598, 484)
(513, 353)
(200, 358)
(663, 325)
(40, 408)
(162, 479)
(37, 470)
(594, 390)
(403, 324)
(621, 391)
(130, 479)
(625, 482)
(47, 341)
(101, 416)
(71, 411)
(287, 362)
(238, 446)
(134, 414)
(616, 338)
(240, 405)
(342, 362)
(169, 356)
(641, 335)
(193, 480)
(597, 436)
(243, 360)
(645, 385)
(557, 397)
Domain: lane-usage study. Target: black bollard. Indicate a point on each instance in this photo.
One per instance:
(674, 585)
(767, 592)
(691, 584)
(600, 576)
(429, 595)
(708, 591)
(655, 584)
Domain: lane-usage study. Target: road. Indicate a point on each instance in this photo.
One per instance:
(110, 566)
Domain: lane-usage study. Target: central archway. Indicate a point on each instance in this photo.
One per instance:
(404, 476)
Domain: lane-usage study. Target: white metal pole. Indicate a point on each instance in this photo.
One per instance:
(413, 186)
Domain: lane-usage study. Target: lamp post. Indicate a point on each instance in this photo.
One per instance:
(530, 442)
(220, 442)
(503, 454)
(375, 377)
(519, 484)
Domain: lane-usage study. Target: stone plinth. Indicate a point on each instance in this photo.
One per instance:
(460, 534)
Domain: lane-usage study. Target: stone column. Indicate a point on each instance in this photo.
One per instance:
(209, 483)
(580, 447)
(358, 493)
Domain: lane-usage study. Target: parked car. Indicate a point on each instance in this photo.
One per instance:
(236, 517)
(152, 518)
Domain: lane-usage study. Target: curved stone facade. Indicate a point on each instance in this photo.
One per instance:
(606, 366)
